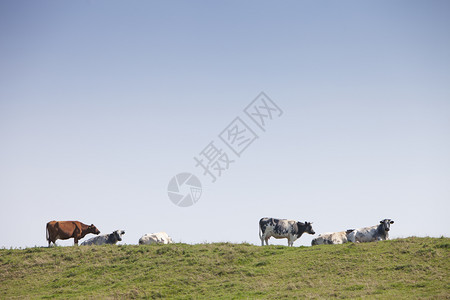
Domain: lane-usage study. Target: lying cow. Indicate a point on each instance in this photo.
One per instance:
(110, 239)
(63, 230)
(155, 238)
(332, 238)
(282, 229)
(370, 234)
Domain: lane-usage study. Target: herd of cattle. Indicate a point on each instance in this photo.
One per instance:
(268, 227)
(292, 230)
(63, 230)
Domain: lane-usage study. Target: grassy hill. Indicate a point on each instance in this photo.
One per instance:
(402, 268)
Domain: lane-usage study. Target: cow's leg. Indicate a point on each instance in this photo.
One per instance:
(75, 241)
(267, 241)
(264, 237)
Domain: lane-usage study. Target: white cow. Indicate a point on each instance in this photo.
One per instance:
(370, 234)
(155, 238)
(332, 238)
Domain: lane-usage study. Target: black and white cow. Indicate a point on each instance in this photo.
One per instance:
(282, 229)
(111, 239)
(370, 234)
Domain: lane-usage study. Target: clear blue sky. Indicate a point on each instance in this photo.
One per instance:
(102, 102)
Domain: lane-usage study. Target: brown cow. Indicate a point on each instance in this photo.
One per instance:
(63, 230)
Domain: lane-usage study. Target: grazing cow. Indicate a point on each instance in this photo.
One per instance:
(331, 238)
(110, 239)
(155, 238)
(63, 230)
(282, 228)
(370, 234)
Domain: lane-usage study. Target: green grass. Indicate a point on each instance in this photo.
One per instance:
(397, 269)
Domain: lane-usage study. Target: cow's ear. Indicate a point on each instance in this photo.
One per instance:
(381, 222)
(392, 222)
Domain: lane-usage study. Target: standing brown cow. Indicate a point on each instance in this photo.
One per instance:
(63, 230)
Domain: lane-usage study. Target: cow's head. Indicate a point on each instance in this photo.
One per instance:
(118, 234)
(386, 224)
(308, 228)
(93, 229)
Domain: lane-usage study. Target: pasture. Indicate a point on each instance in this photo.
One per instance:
(401, 268)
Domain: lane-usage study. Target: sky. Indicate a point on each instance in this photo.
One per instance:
(102, 103)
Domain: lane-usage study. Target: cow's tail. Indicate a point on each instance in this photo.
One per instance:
(46, 232)
(260, 231)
